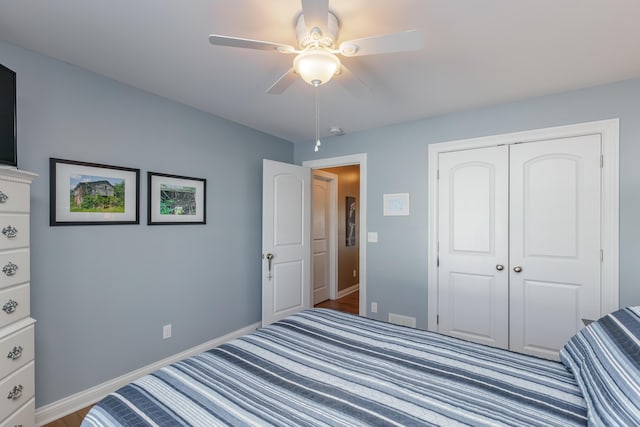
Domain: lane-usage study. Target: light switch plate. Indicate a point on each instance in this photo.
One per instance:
(372, 237)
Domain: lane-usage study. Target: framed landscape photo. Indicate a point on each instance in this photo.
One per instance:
(84, 193)
(176, 199)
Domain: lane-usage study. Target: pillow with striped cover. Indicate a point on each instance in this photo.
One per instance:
(604, 357)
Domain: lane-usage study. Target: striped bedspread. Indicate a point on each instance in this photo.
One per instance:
(322, 367)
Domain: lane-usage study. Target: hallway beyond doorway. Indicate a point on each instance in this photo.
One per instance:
(348, 303)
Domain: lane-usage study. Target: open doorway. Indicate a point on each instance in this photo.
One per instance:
(361, 232)
(336, 245)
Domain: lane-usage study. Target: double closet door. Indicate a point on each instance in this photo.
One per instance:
(519, 243)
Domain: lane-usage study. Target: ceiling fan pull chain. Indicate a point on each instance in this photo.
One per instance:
(318, 143)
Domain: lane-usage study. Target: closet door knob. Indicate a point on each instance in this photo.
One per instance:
(499, 267)
(517, 269)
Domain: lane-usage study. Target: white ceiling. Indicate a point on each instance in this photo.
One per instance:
(477, 53)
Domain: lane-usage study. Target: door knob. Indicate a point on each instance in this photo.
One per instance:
(517, 269)
(499, 267)
(269, 258)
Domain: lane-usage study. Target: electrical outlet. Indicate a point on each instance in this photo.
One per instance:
(374, 307)
(166, 331)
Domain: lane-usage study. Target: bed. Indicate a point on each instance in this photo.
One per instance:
(323, 367)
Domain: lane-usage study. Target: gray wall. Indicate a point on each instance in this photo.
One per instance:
(101, 294)
(397, 162)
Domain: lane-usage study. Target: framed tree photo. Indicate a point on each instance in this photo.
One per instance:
(82, 193)
(175, 199)
(350, 221)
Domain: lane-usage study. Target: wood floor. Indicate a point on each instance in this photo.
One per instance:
(349, 304)
(71, 420)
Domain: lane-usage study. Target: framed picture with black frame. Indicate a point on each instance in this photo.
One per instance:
(82, 193)
(350, 221)
(175, 199)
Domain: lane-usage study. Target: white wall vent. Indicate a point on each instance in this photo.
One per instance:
(399, 319)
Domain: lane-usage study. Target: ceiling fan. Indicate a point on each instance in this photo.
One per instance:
(316, 61)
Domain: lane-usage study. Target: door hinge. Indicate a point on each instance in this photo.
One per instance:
(601, 161)
(438, 262)
(437, 319)
(601, 255)
(438, 174)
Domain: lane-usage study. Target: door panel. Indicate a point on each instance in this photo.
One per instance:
(472, 292)
(469, 290)
(555, 240)
(542, 298)
(551, 221)
(288, 294)
(321, 231)
(471, 207)
(286, 204)
(288, 210)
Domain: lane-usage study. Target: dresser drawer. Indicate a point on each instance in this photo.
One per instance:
(14, 231)
(14, 304)
(16, 390)
(16, 350)
(24, 417)
(14, 196)
(14, 267)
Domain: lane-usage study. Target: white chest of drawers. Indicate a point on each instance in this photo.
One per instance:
(17, 402)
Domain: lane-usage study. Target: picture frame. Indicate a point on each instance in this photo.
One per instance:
(176, 199)
(83, 193)
(351, 209)
(396, 204)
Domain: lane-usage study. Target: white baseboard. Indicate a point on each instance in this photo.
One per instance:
(70, 404)
(349, 290)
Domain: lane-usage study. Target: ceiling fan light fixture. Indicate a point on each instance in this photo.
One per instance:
(316, 66)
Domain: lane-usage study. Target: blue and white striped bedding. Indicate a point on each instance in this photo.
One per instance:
(605, 359)
(322, 367)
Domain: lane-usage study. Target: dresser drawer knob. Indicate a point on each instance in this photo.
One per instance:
(3, 197)
(15, 393)
(10, 269)
(10, 306)
(10, 231)
(15, 353)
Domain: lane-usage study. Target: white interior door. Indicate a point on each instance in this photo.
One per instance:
(555, 242)
(286, 249)
(323, 234)
(473, 245)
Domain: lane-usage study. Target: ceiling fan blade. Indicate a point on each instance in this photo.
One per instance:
(389, 43)
(218, 40)
(316, 14)
(351, 82)
(283, 82)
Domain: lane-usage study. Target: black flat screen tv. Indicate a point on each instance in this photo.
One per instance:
(8, 152)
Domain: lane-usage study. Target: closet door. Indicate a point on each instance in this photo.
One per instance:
(473, 244)
(554, 242)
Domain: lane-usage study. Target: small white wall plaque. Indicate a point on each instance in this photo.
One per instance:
(396, 204)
